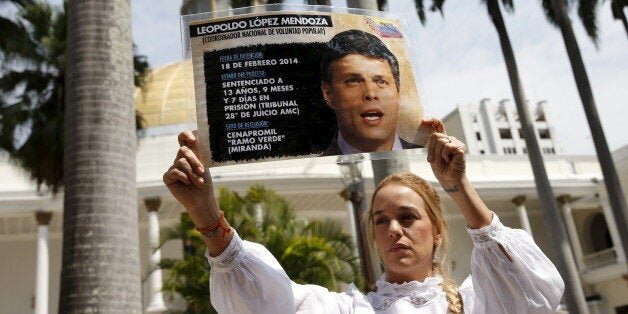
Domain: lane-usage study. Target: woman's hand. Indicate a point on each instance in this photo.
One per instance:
(190, 183)
(446, 154)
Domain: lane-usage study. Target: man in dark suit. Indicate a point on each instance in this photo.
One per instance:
(360, 82)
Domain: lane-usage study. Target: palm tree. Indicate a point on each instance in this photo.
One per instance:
(316, 252)
(100, 265)
(32, 89)
(617, 8)
(437, 5)
(556, 12)
(562, 251)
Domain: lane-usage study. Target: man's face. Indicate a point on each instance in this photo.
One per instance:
(366, 101)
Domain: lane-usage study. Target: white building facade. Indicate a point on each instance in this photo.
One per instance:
(493, 128)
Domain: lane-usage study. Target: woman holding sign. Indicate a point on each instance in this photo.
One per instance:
(409, 233)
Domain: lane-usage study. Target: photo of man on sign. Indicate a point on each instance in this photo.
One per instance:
(303, 85)
(360, 83)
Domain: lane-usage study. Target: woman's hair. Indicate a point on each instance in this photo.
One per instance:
(440, 263)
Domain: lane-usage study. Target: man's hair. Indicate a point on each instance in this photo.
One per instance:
(356, 42)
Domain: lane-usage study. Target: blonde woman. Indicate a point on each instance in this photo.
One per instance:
(510, 274)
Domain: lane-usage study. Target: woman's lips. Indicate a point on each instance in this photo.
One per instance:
(398, 247)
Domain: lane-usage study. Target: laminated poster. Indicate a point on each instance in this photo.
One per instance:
(288, 84)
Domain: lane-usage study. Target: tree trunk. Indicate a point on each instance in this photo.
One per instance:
(560, 246)
(624, 21)
(613, 187)
(101, 265)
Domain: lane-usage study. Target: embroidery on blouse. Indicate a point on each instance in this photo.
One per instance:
(414, 292)
(490, 233)
(225, 261)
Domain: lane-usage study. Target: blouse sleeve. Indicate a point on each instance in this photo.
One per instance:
(519, 279)
(246, 278)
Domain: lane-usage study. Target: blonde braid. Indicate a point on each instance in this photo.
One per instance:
(450, 287)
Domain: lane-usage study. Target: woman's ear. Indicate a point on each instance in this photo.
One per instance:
(438, 239)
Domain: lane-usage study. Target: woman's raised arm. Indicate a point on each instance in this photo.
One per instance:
(191, 184)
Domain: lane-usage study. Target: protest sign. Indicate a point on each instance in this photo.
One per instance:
(263, 91)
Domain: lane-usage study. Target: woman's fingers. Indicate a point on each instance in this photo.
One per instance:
(450, 148)
(426, 129)
(187, 167)
(442, 149)
(174, 175)
(192, 159)
(187, 138)
(434, 147)
(433, 125)
(183, 165)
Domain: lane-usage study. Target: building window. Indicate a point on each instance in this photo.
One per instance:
(525, 150)
(549, 150)
(481, 152)
(598, 237)
(474, 118)
(544, 133)
(521, 134)
(478, 136)
(505, 134)
(510, 151)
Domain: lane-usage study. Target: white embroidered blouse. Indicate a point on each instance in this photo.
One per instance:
(246, 278)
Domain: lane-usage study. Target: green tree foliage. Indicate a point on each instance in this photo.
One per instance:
(32, 90)
(316, 252)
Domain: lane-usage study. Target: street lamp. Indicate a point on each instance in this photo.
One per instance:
(351, 175)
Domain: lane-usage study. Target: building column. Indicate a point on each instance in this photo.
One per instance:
(41, 276)
(572, 231)
(523, 213)
(156, 304)
(611, 223)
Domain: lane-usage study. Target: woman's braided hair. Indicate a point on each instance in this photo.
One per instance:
(440, 265)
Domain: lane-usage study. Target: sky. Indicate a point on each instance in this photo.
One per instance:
(458, 61)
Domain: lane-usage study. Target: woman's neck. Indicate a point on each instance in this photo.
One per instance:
(407, 276)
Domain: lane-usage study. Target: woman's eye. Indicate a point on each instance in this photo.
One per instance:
(409, 217)
(380, 221)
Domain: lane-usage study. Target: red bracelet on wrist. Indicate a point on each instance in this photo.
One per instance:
(209, 231)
